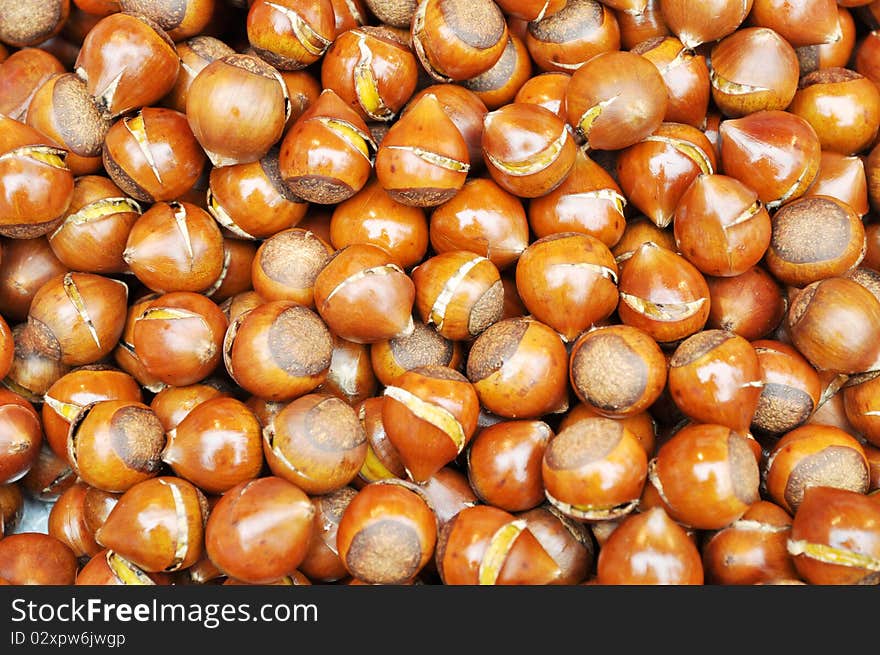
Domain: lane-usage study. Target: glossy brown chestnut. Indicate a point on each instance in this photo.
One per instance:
(655, 173)
(665, 553)
(695, 25)
(286, 264)
(371, 69)
(49, 477)
(546, 89)
(791, 392)
(260, 530)
(152, 155)
(127, 62)
(429, 416)
(180, 19)
(20, 437)
(290, 35)
(315, 442)
(565, 39)
(387, 533)
(527, 149)
(325, 155)
(499, 85)
(110, 568)
(753, 69)
(456, 39)
(775, 153)
(21, 74)
(618, 370)
(322, 562)
(363, 296)
(838, 53)
(637, 27)
(78, 317)
(36, 183)
(637, 231)
(125, 356)
(243, 86)
(814, 455)
(752, 549)
(178, 337)
(567, 541)
(842, 177)
(350, 376)
(834, 537)
(114, 444)
(803, 24)
(76, 389)
(694, 497)
(25, 266)
(594, 469)
(373, 216)
(487, 546)
(751, 304)
(615, 100)
(382, 460)
(685, 74)
(519, 368)
(175, 246)
(589, 201)
(662, 293)
(861, 404)
(195, 53)
(278, 351)
(217, 446)
(67, 522)
(34, 558)
(448, 492)
(834, 324)
(424, 346)
(92, 236)
(642, 425)
(33, 370)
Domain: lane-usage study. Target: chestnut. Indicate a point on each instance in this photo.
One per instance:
(290, 35)
(499, 85)
(546, 89)
(685, 74)
(195, 53)
(834, 537)
(835, 324)
(814, 455)
(243, 86)
(844, 178)
(371, 69)
(751, 304)
(519, 368)
(487, 546)
(424, 346)
(25, 265)
(96, 225)
(180, 20)
(67, 522)
(418, 169)
(350, 376)
(322, 562)
(216, 446)
(21, 74)
(567, 541)
(529, 10)
(127, 62)
(152, 155)
(382, 459)
(278, 350)
(649, 547)
(110, 568)
(839, 52)
(429, 416)
(791, 392)
(49, 476)
(286, 265)
(124, 355)
(63, 110)
(639, 26)
(372, 215)
(76, 389)
(363, 296)
(459, 293)
(528, 150)
(594, 469)
(698, 500)
(564, 39)
(637, 231)
(861, 406)
(315, 442)
(325, 155)
(842, 106)
(21, 436)
(752, 549)
(588, 200)
(642, 425)
(753, 69)
(260, 530)
(37, 182)
(175, 246)
(79, 317)
(173, 404)
(656, 173)
(807, 23)
(34, 558)
(32, 22)
(448, 492)
(662, 293)
(709, 21)
(615, 100)
(458, 39)
(775, 153)
(114, 444)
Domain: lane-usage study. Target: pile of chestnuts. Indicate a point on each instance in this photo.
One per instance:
(455, 292)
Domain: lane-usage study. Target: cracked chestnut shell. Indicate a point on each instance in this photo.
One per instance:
(67, 522)
(290, 34)
(20, 437)
(158, 525)
(792, 389)
(564, 39)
